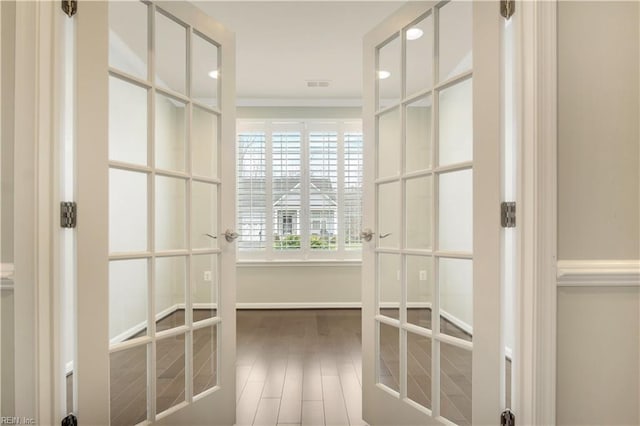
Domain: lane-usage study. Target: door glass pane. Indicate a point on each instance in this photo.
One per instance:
(456, 297)
(455, 230)
(127, 211)
(455, 384)
(128, 376)
(204, 215)
(419, 276)
(418, 151)
(419, 56)
(454, 50)
(127, 122)
(389, 146)
(170, 213)
(128, 289)
(171, 277)
(389, 361)
(388, 73)
(205, 75)
(455, 124)
(204, 143)
(389, 285)
(128, 37)
(170, 133)
(170, 372)
(205, 280)
(419, 369)
(418, 208)
(389, 215)
(171, 54)
(205, 358)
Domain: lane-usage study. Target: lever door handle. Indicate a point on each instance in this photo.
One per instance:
(366, 234)
(230, 235)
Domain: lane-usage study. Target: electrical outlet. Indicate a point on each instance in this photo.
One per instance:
(423, 275)
(207, 276)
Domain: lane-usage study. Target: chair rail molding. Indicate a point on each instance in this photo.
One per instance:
(599, 273)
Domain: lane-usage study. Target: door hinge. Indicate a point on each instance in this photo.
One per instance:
(70, 7)
(508, 214)
(507, 418)
(507, 8)
(68, 214)
(70, 420)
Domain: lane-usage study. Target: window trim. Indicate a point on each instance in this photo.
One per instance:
(305, 254)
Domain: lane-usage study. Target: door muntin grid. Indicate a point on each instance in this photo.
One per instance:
(183, 265)
(431, 253)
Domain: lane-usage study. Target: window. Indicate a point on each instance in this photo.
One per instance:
(299, 189)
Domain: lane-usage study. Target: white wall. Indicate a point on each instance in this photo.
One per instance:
(598, 358)
(311, 285)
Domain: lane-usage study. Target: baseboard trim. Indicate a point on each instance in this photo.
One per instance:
(127, 334)
(457, 322)
(300, 305)
(598, 273)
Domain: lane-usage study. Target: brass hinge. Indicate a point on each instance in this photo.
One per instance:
(507, 8)
(68, 214)
(70, 7)
(508, 214)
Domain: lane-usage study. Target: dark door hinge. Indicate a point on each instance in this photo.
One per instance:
(508, 214)
(68, 214)
(507, 8)
(70, 7)
(507, 418)
(70, 420)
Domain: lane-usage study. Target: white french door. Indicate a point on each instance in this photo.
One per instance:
(432, 339)
(155, 332)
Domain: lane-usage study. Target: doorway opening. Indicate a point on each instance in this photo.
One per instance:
(308, 314)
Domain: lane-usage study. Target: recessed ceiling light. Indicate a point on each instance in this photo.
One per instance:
(382, 74)
(213, 74)
(414, 33)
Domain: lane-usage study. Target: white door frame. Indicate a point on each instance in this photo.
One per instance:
(536, 41)
(35, 212)
(536, 44)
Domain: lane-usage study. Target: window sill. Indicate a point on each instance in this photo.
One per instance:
(356, 263)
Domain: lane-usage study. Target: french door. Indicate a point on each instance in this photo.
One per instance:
(155, 98)
(432, 341)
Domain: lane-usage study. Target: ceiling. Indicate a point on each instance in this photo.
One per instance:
(281, 45)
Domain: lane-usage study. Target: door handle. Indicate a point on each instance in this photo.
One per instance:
(215, 237)
(384, 235)
(366, 234)
(230, 235)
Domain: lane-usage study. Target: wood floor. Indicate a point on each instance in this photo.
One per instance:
(296, 367)
(299, 367)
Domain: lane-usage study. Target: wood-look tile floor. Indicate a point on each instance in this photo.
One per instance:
(299, 367)
(303, 367)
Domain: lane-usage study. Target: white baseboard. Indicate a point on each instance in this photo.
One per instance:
(457, 322)
(300, 305)
(127, 334)
(598, 273)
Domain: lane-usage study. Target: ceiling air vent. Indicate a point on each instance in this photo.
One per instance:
(317, 83)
